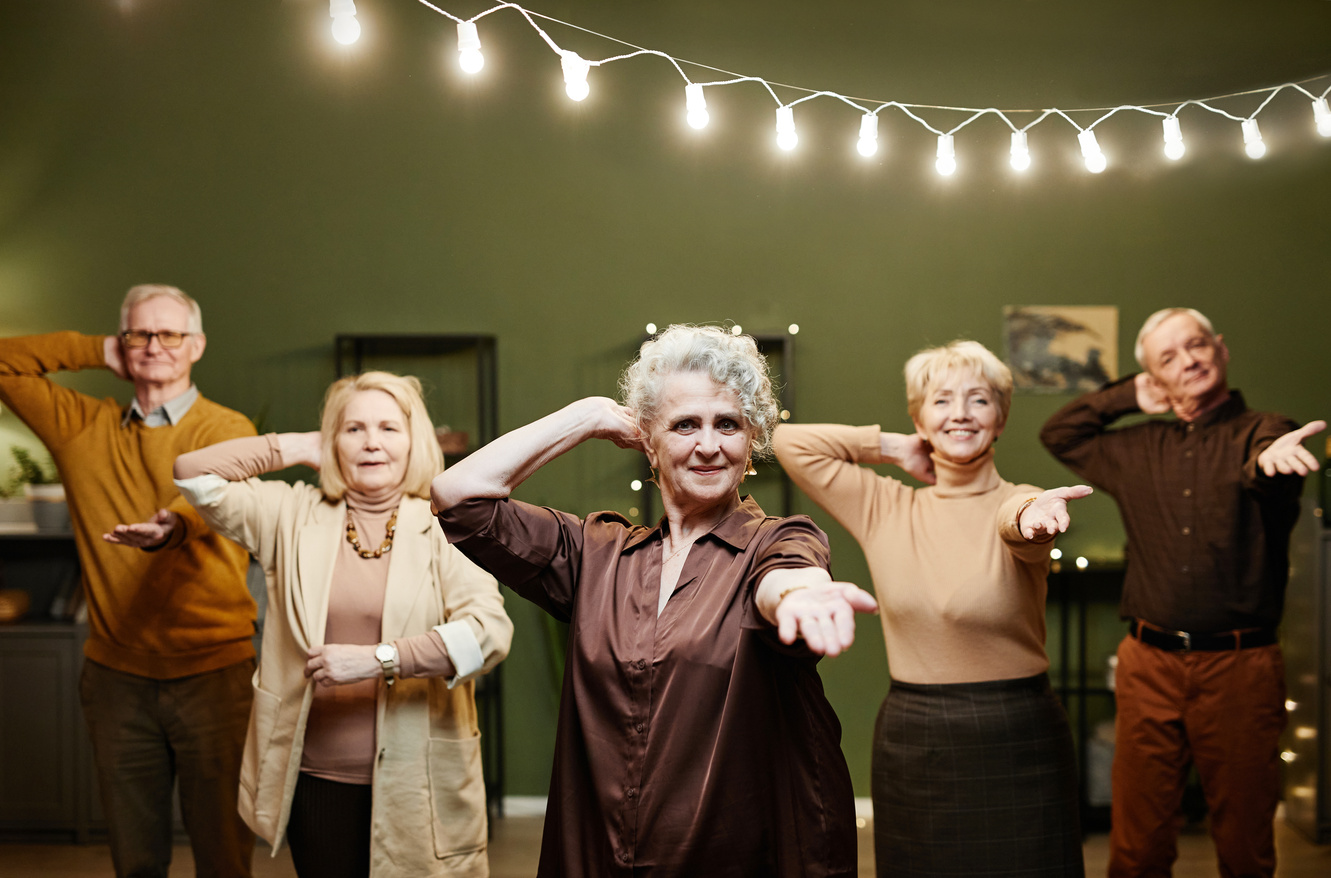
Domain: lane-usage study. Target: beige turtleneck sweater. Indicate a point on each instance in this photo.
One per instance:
(340, 732)
(962, 592)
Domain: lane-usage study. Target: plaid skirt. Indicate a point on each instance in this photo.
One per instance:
(975, 779)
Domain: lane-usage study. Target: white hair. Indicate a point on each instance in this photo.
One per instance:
(732, 361)
(1153, 322)
(144, 292)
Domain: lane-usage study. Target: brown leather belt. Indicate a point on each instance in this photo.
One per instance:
(1184, 641)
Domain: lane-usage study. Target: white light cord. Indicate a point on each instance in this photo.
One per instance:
(874, 107)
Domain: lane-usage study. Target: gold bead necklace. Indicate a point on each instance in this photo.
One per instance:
(354, 538)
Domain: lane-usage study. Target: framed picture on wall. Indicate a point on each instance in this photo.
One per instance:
(1061, 348)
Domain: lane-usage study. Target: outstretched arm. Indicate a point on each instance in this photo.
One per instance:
(495, 470)
(1047, 513)
(1287, 456)
(805, 602)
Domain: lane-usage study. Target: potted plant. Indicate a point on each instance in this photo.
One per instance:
(45, 493)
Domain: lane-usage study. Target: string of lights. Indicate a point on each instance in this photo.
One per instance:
(576, 69)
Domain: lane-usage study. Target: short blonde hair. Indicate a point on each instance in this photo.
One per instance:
(932, 365)
(425, 461)
(732, 361)
(144, 292)
(1153, 323)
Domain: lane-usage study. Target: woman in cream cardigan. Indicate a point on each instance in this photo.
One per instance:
(363, 751)
(973, 767)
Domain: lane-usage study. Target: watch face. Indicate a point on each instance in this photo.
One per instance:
(384, 652)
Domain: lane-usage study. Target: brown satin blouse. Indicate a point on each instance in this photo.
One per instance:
(693, 743)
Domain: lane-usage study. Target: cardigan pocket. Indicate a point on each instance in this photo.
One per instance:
(457, 795)
(263, 771)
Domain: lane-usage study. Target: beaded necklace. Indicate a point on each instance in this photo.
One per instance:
(354, 538)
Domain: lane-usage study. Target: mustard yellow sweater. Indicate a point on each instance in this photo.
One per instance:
(180, 610)
(961, 591)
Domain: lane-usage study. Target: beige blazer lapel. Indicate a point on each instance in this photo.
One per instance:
(316, 553)
(408, 568)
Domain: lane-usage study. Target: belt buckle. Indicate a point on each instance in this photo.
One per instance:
(1187, 640)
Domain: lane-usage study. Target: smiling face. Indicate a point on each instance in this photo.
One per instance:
(699, 443)
(155, 365)
(373, 443)
(960, 416)
(1188, 362)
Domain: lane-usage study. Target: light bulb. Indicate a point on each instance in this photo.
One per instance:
(793, 329)
(868, 144)
(470, 58)
(1322, 115)
(1252, 139)
(346, 29)
(1090, 151)
(695, 106)
(786, 138)
(1174, 148)
(651, 329)
(635, 485)
(1082, 563)
(736, 330)
(575, 75)
(947, 157)
(1055, 553)
(1021, 155)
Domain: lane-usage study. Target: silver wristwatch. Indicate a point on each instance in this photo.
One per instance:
(386, 653)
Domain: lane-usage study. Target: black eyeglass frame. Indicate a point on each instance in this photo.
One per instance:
(164, 338)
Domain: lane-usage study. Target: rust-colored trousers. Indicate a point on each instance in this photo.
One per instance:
(1224, 712)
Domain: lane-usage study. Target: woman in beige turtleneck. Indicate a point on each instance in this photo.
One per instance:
(363, 750)
(973, 765)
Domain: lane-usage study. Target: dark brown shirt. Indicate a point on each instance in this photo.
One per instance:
(690, 744)
(1208, 532)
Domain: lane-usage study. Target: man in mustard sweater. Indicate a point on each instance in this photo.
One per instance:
(166, 681)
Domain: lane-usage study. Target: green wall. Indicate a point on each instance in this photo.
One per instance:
(299, 191)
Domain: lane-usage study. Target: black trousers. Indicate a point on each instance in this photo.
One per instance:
(329, 828)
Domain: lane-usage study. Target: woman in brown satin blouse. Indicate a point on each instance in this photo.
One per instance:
(694, 736)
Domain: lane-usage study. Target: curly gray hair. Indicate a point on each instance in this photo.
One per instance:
(732, 361)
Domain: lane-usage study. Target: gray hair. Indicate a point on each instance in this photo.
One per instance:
(1153, 322)
(144, 292)
(732, 361)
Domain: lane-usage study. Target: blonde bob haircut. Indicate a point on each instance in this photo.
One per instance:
(1153, 322)
(730, 360)
(929, 367)
(144, 292)
(425, 460)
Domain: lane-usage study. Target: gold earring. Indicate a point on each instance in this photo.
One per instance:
(748, 468)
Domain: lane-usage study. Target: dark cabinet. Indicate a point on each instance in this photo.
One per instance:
(47, 787)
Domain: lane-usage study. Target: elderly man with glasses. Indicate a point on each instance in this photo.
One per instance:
(166, 682)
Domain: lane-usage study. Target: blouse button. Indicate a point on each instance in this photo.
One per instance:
(1186, 531)
(1187, 492)
(639, 727)
(641, 664)
(632, 792)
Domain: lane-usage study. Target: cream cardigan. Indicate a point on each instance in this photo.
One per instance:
(429, 814)
(962, 593)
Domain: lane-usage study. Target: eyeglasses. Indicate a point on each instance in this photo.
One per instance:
(139, 338)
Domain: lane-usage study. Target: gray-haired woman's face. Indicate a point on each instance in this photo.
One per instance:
(699, 442)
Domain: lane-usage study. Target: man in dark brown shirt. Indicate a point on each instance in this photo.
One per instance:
(1208, 501)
